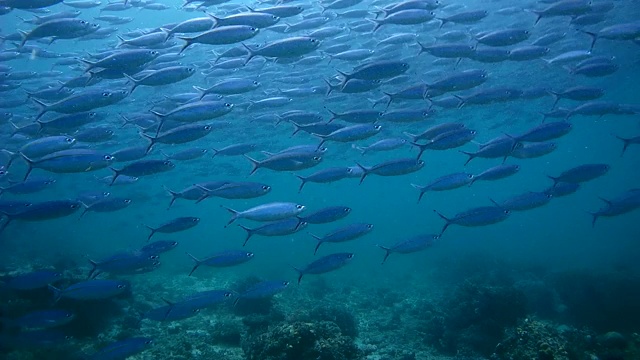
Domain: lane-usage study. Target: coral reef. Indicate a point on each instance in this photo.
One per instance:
(301, 340)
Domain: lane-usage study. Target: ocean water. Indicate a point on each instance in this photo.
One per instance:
(544, 283)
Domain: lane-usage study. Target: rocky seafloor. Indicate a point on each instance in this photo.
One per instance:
(480, 312)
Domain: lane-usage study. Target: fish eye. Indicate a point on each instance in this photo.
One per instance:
(68, 315)
(472, 132)
(108, 157)
(228, 105)
(149, 342)
(106, 94)
(82, 22)
(121, 286)
(370, 226)
(299, 207)
(349, 170)
(517, 167)
(174, 243)
(167, 162)
(526, 32)
(266, 187)
(285, 283)
(350, 256)
(75, 206)
(207, 127)
(377, 127)
(249, 254)
(92, 114)
(196, 219)
(317, 158)
(69, 140)
(470, 176)
(154, 52)
(227, 294)
(507, 212)
(421, 162)
(256, 83)
(127, 201)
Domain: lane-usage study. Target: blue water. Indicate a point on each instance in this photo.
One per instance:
(537, 244)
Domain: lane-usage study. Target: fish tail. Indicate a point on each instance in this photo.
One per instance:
(593, 37)
(201, 90)
(29, 164)
(555, 179)
(625, 142)
(422, 191)
(594, 217)
(255, 164)
(423, 48)
(365, 172)
(470, 155)
(234, 214)
(251, 53)
(43, 108)
(152, 141)
(174, 196)
(460, 99)
(421, 147)
(121, 41)
(134, 81)
(57, 293)
(153, 231)
(330, 87)
(377, 23)
(197, 261)
(446, 225)
(410, 135)
(304, 181)
(386, 255)
(359, 148)
(556, 98)
(116, 173)
(6, 223)
(390, 96)
(235, 302)
(442, 22)
(188, 42)
(317, 246)
(94, 267)
(249, 234)
(297, 128)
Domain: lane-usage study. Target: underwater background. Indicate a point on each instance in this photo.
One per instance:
(530, 275)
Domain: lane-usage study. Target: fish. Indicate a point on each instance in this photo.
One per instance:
(342, 234)
(496, 173)
(327, 175)
(288, 161)
(447, 182)
(622, 204)
(158, 247)
(581, 173)
(124, 263)
(276, 228)
(123, 349)
(394, 167)
(267, 212)
(222, 259)
(33, 280)
(174, 225)
(479, 216)
(325, 264)
(326, 215)
(526, 201)
(91, 290)
(410, 245)
(263, 289)
(142, 168)
(107, 204)
(41, 319)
